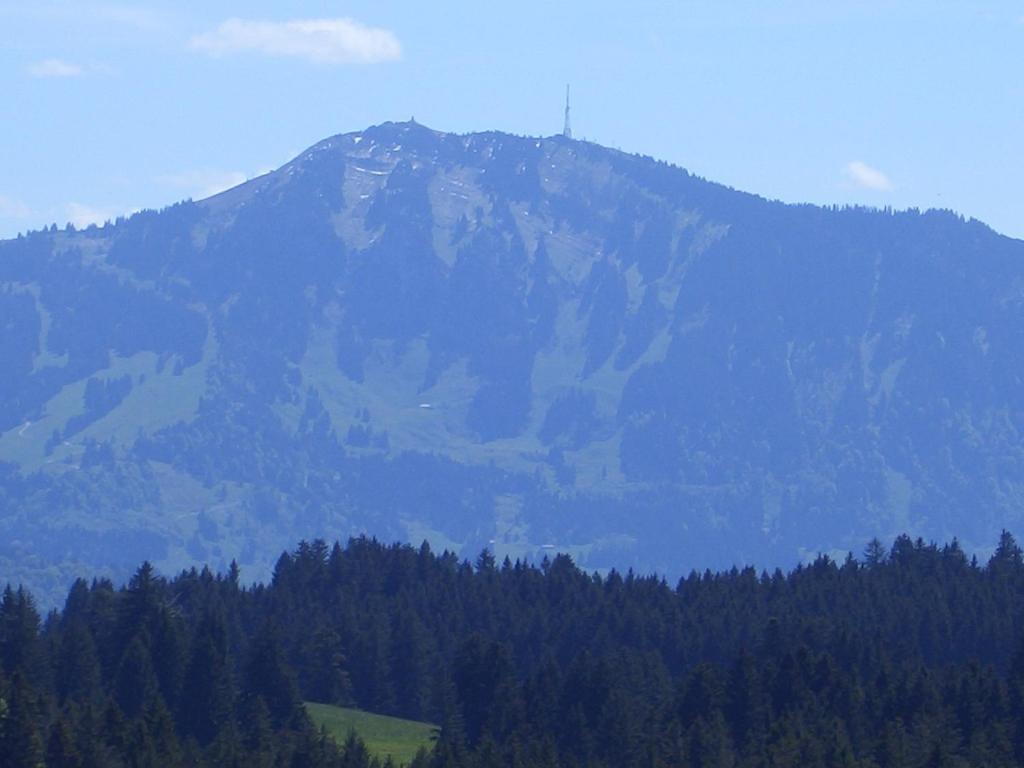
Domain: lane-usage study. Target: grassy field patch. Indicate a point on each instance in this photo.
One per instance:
(383, 735)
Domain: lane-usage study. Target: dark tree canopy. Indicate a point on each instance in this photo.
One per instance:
(912, 656)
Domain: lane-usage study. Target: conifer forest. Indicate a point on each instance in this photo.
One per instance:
(907, 655)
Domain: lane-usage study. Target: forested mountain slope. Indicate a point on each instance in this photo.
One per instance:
(466, 338)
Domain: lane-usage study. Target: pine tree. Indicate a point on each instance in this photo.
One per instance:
(135, 685)
(19, 634)
(408, 664)
(1005, 563)
(61, 751)
(322, 667)
(257, 729)
(168, 651)
(140, 604)
(353, 753)
(139, 748)
(207, 697)
(375, 689)
(20, 740)
(78, 673)
(874, 554)
(708, 743)
(267, 677)
(160, 726)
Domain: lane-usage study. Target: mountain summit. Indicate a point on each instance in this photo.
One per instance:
(491, 340)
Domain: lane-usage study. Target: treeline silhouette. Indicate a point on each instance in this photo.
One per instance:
(906, 656)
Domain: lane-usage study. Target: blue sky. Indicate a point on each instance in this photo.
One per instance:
(107, 108)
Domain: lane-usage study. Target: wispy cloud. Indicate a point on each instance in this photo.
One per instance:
(14, 209)
(203, 182)
(61, 68)
(863, 175)
(55, 68)
(326, 41)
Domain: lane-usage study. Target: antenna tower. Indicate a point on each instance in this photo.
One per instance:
(567, 130)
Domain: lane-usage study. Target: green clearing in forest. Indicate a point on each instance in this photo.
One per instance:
(383, 735)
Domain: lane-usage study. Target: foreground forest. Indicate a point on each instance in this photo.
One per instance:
(907, 656)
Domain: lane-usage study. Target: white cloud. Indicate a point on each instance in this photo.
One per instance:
(14, 209)
(203, 182)
(82, 215)
(55, 68)
(61, 68)
(327, 41)
(863, 175)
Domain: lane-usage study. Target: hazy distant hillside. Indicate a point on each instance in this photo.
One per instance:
(488, 337)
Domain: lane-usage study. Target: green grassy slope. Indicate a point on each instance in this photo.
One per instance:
(383, 735)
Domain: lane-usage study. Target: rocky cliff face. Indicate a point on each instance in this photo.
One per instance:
(489, 338)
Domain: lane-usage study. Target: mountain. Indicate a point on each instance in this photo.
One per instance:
(539, 344)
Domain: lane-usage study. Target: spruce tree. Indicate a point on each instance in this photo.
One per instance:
(61, 751)
(267, 677)
(78, 675)
(135, 685)
(20, 650)
(21, 743)
(208, 694)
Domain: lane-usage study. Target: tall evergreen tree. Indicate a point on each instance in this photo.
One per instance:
(61, 751)
(135, 684)
(20, 650)
(207, 698)
(21, 744)
(78, 675)
(266, 677)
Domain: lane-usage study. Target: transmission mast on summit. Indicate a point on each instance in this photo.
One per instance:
(567, 130)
